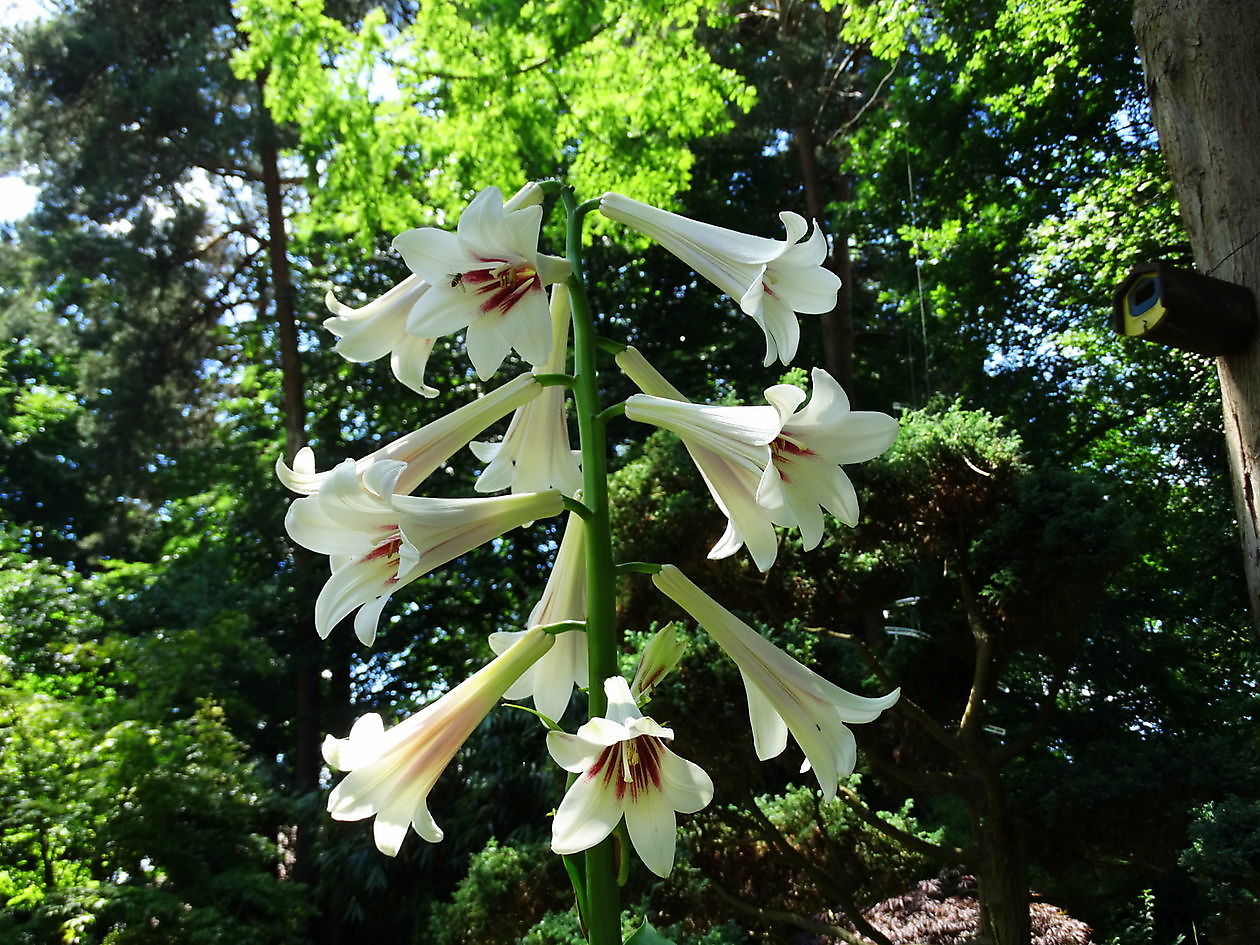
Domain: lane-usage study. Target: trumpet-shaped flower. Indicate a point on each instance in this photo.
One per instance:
(487, 276)
(770, 279)
(624, 770)
(423, 450)
(379, 541)
(550, 681)
(804, 475)
(771, 465)
(380, 328)
(731, 448)
(783, 695)
(731, 467)
(392, 772)
(534, 453)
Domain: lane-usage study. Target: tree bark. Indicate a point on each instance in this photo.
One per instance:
(837, 325)
(1200, 58)
(1005, 918)
(306, 668)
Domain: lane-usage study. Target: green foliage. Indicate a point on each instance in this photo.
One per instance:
(505, 892)
(797, 854)
(129, 832)
(1224, 851)
(400, 122)
(519, 894)
(1004, 175)
(1137, 926)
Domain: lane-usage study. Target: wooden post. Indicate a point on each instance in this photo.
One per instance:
(1202, 65)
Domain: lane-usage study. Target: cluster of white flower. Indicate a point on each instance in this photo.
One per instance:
(776, 464)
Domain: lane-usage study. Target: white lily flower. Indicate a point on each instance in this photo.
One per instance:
(380, 328)
(732, 474)
(624, 769)
(392, 772)
(487, 276)
(379, 541)
(535, 453)
(550, 681)
(805, 475)
(770, 279)
(422, 450)
(787, 481)
(783, 695)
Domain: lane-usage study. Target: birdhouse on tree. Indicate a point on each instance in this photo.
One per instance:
(1184, 309)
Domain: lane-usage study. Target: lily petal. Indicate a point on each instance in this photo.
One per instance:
(770, 279)
(811, 708)
(392, 772)
(624, 770)
(489, 277)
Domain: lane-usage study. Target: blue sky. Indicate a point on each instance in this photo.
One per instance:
(16, 197)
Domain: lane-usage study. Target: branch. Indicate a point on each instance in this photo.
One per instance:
(1018, 746)
(787, 918)
(837, 71)
(867, 104)
(956, 855)
(974, 711)
(773, 835)
(927, 782)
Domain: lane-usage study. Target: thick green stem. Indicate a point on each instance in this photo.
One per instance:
(603, 917)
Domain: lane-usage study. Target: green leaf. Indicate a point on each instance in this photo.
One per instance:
(646, 935)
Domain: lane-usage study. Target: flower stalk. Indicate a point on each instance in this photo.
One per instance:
(777, 465)
(603, 908)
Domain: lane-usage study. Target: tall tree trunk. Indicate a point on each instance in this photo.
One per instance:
(997, 835)
(306, 669)
(1200, 61)
(837, 325)
(1002, 872)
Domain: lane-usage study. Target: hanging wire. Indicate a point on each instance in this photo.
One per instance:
(1230, 255)
(918, 277)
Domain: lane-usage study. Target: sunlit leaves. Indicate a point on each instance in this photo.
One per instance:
(399, 125)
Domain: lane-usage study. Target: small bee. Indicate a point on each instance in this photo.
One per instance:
(457, 280)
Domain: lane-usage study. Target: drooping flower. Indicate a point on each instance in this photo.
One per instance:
(489, 277)
(380, 328)
(783, 695)
(535, 453)
(423, 450)
(392, 772)
(770, 279)
(805, 474)
(732, 472)
(379, 541)
(624, 770)
(769, 465)
(550, 681)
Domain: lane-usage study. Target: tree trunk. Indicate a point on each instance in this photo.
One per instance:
(837, 325)
(997, 835)
(1200, 58)
(1002, 874)
(305, 655)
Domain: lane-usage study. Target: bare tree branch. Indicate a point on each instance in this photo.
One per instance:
(787, 918)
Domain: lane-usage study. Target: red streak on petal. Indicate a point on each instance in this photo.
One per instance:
(500, 284)
(387, 549)
(641, 756)
(646, 769)
(783, 444)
